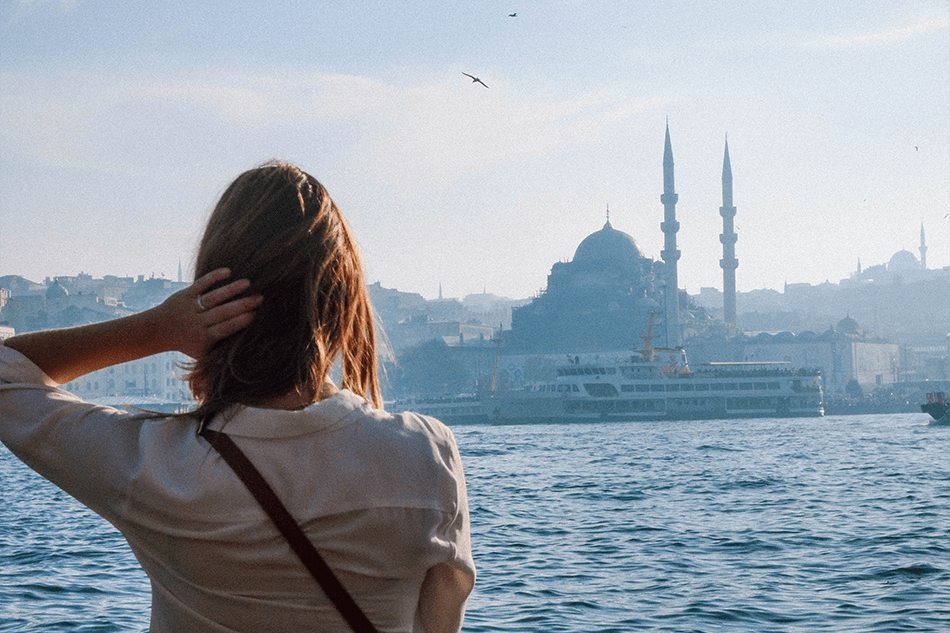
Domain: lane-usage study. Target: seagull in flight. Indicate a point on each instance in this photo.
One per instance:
(512, 15)
(476, 79)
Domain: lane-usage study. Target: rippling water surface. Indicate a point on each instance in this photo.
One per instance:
(825, 524)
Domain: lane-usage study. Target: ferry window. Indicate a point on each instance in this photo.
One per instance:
(701, 386)
(672, 387)
(574, 388)
(611, 370)
(627, 388)
(773, 385)
(716, 387)
(745, 385)
(730, 386)
(657, 388)
(760, 385)
(643, 387)
(687, 387)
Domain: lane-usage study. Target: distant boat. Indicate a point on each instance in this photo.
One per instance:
(936, 405)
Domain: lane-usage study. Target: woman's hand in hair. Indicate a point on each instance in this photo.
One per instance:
(182, 323)
(197, 317)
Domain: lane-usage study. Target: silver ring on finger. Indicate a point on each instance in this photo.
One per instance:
(201, 306)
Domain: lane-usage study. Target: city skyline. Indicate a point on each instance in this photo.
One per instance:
(123, 123)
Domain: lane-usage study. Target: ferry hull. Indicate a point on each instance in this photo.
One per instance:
(504, 411)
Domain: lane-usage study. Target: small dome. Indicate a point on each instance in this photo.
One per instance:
(608, 244)
(903, 260)
(848, 325)
(56, 292)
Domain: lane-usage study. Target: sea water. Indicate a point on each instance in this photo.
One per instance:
(839, 523)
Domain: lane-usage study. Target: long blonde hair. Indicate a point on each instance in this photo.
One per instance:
(278, 227)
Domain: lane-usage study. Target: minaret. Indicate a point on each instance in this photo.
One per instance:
(923, 247)
(728, 263)
(670, 253)
(179, 271)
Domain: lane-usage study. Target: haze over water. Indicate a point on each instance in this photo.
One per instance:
(838, 523)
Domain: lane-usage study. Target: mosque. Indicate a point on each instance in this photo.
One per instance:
(610, 295)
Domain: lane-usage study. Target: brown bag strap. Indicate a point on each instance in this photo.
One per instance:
(299, 542)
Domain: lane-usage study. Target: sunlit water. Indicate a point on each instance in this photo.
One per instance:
(825, 524)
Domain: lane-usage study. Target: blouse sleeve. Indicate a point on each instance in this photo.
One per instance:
(89, 451)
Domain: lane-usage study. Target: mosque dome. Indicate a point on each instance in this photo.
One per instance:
(903, 260)
(608, 244)
(56, 292)
(848, 325)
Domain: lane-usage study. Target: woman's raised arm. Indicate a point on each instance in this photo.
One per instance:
(189, 321)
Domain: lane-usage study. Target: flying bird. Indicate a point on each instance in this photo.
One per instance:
(512, 15)
(476, 79)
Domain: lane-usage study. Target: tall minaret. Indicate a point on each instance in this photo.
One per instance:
(728, 263)
(923, 247)
(670, 253)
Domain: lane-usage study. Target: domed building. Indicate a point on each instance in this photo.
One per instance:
(902, 261)
(601, 299)
(606, 297)
(56, 292)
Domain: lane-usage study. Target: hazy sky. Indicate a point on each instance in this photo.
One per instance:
(121, 123)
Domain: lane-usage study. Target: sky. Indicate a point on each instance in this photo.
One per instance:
(121, 124)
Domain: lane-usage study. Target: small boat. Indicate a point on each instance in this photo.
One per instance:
(936, 405)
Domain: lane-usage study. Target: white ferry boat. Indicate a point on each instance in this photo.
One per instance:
(660, 385)
(655, 384)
